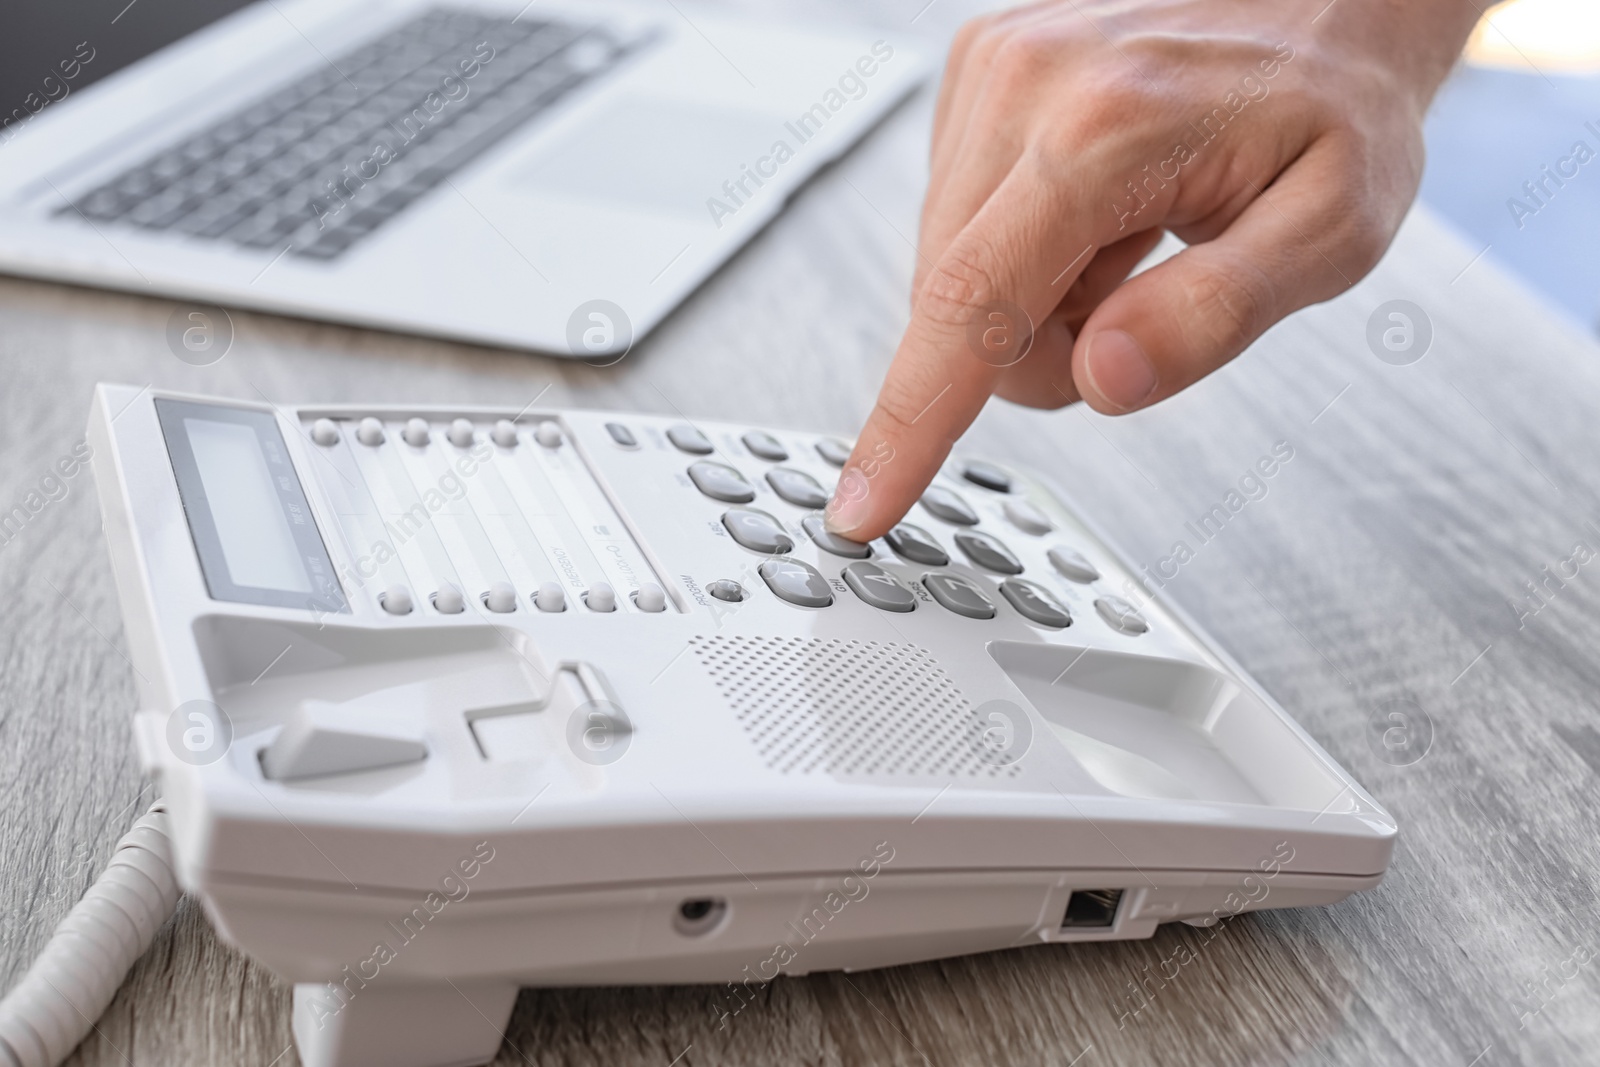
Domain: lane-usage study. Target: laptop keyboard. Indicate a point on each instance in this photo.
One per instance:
(324, 161)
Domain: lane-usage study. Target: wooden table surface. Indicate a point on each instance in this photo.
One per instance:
(1389, 561)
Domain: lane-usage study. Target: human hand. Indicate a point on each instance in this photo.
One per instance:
(1279, 139)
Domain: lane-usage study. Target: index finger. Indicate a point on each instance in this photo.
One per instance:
(1005, 270)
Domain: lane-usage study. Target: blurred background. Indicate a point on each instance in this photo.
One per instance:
(1510, 115)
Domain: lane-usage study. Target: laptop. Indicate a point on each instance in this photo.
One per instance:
(544, 175)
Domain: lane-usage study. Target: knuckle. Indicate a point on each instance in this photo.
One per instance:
(1231, 304)
(957, 287)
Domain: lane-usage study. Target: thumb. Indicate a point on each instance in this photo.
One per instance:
(1299, 242)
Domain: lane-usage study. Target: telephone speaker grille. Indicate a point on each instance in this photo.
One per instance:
(811, 705)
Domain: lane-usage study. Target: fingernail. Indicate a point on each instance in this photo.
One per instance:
(847, 511)
(1119, 370)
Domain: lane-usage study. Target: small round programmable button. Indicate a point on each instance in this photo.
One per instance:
(959, 595)
(763, 444)
(797, 487)
(721, 482)
(797, 582)
(550, 597)
(833, 450)
(686, 438)
(548, 434)
(396, 600)
(369, 431)
(1121, 615)
(416, 432)
(622, 435)
(757, 531)
(988, 552)
(829, 541)
(1027, 517)
(917, 545)
(1073, 564)
(504, 433)
(449, 601)
(948, 505)
(601, 597)
(1035, 604)
(650, 597)
(987, 475)
(878, 587)
(325, 432)
(461, 433)
(501, 598)
(726, 589)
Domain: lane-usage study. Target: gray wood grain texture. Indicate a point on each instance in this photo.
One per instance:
(1381, 565)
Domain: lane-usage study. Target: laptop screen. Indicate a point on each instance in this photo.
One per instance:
(50, 49)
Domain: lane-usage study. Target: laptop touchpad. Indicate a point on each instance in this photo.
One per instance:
(666, 156)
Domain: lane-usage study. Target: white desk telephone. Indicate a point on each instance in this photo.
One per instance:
(443, 702)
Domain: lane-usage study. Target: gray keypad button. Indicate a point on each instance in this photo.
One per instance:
(829, 541)
(990, 553)
(622, 435)
(949, 506)
(833, 450)
(686, 438)
(1027, 516)
(798, 583)
(721, 482)
(763, 444)
(987, 475)
(757, 531)
(959, 595)
(726, 589)
(917, 545)
(1121, 615)
(797, 487)
(878, 587)
(1073, 564)
(1034, 604)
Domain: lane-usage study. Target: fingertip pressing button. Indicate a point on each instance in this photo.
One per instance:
(948, 505)
(1121, 615)
(416, 432)
(461, 433)
(325, 432)
(369, 431)
(829, 541)
(987, 475)
(548, 434)
(1073, 564)
(650, 597)
(449, 601)
(396, 600)
(601, 598)
(500, 598)
(504, 433)
(550, 597)
(833, 450)
(1027, 517)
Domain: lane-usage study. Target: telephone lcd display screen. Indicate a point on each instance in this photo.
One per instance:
(252, 527)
